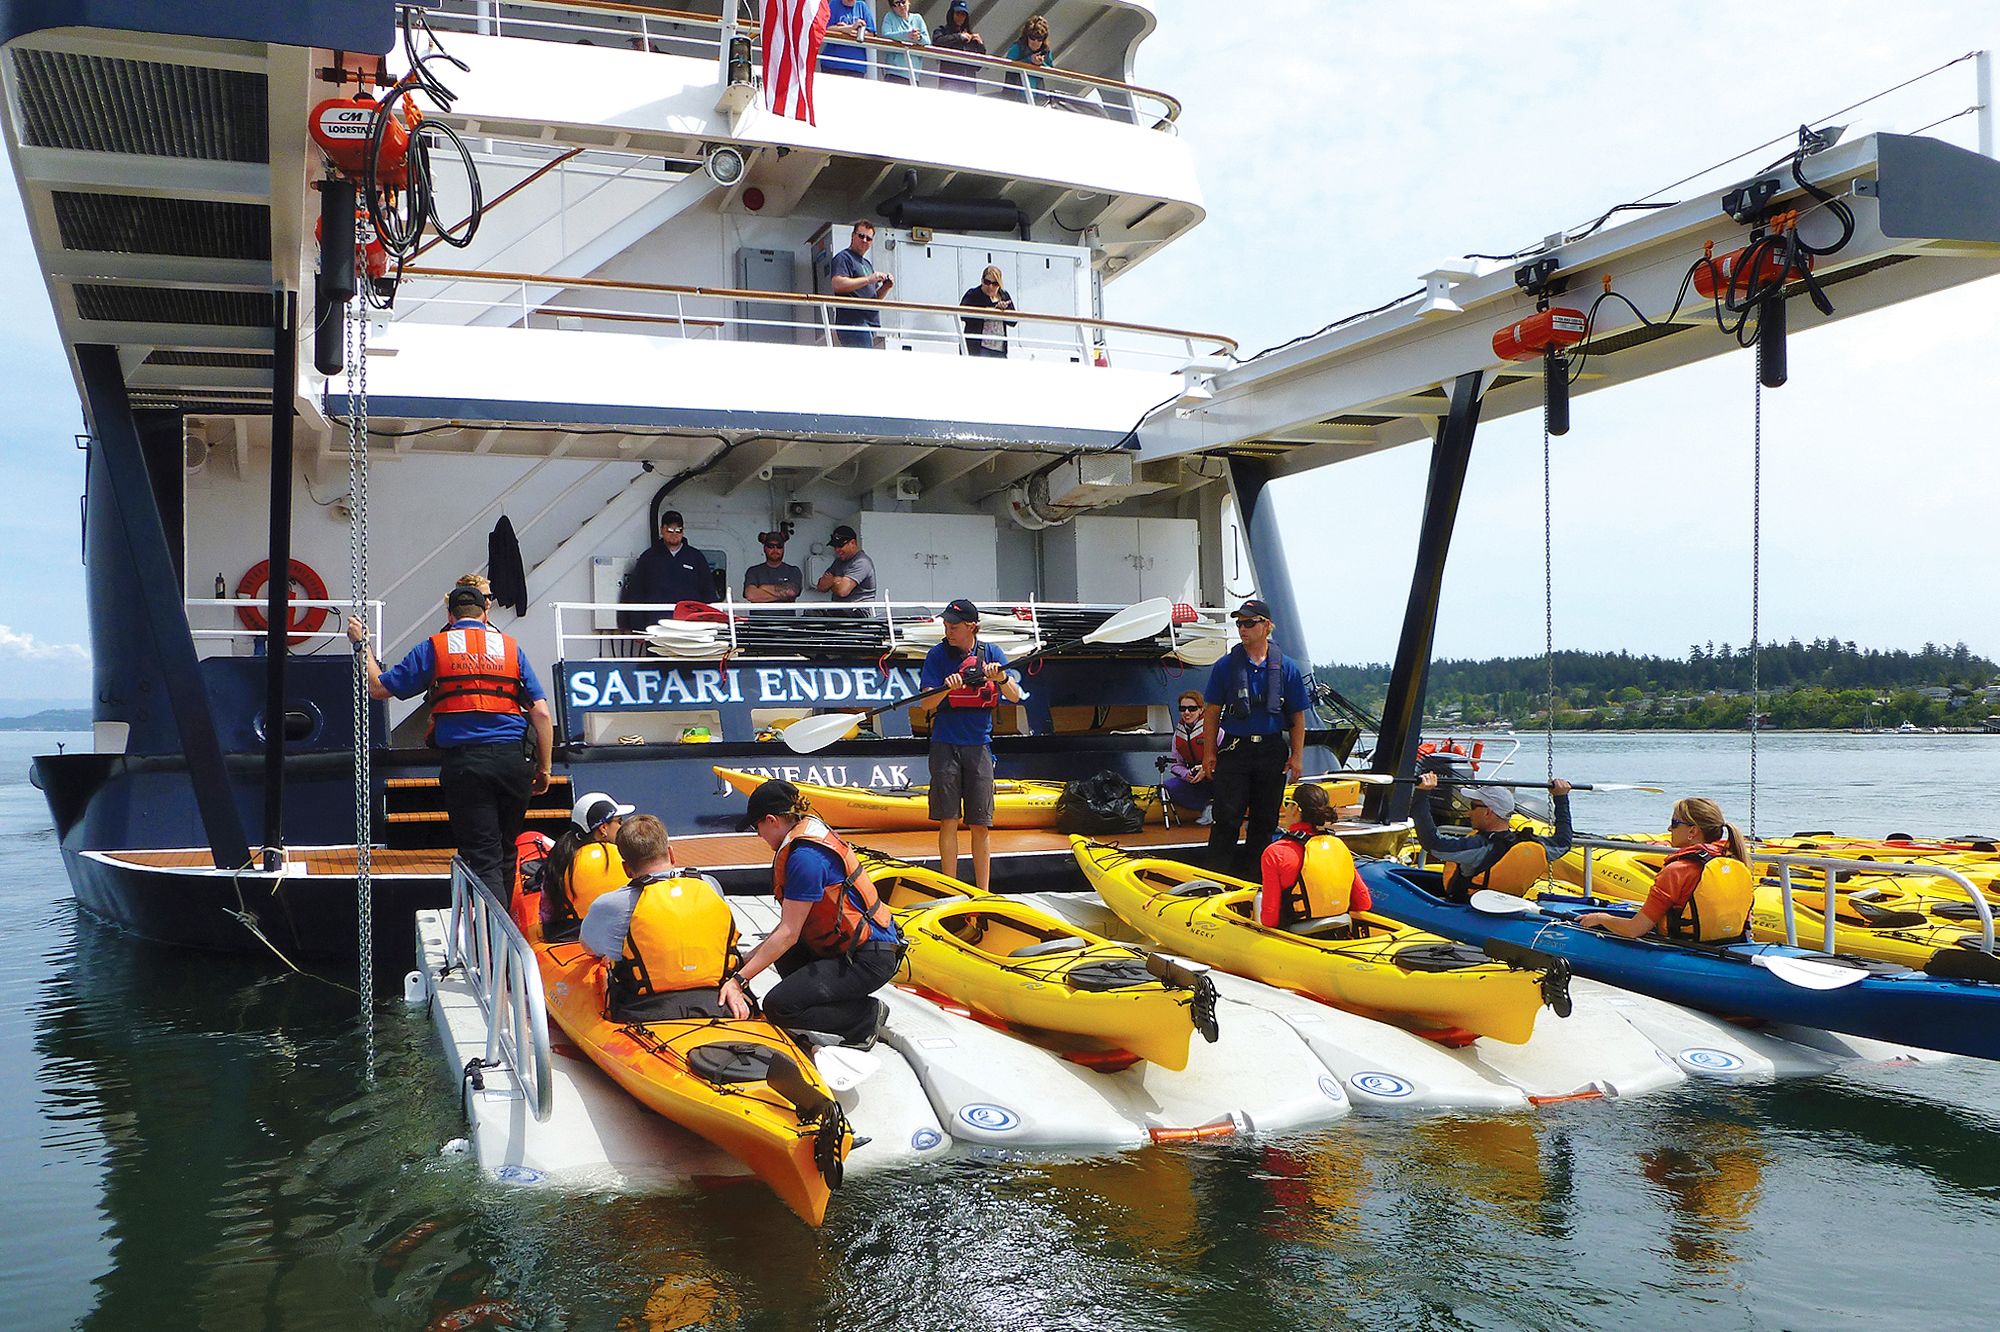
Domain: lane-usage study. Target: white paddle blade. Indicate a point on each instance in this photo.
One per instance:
(1808, 974)
(1495, 903)
(843, 1069)
(809, 735)
(1143, 619)
(1623, 786)
(1201, 651)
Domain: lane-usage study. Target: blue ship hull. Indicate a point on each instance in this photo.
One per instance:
(1907, 1007)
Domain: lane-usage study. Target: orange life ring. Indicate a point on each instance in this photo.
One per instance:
(301, 620)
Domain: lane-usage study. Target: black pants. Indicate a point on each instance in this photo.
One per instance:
(830, 994)
(1247, 777)
(486, 790)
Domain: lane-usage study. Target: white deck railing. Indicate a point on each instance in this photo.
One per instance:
(245, 641)
(482, 940)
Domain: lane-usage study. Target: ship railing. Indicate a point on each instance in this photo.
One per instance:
(1829, 870)
(482, 940)
(661, 31)
(713, 314)
(877, 628)
(247, 641)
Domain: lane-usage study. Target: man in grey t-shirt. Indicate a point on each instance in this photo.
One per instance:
(773, 580)
(851, 576)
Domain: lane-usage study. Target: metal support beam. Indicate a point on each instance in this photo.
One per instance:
(159, 604)
(278, 591)
(1249, 479)
(1403, 710)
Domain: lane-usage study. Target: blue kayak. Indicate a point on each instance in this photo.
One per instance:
(1889, 1003)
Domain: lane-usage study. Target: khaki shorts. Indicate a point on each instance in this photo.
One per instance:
(962, 778)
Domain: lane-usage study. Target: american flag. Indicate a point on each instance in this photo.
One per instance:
(793, 31)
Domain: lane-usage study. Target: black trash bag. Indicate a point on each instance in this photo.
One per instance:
(1099, 804)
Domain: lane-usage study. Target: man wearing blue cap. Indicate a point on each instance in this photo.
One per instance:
(962, 736)
(1253, 735)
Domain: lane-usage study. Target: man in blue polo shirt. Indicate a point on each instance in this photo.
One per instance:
(1256, 703)
(852, 21)
(962, 736)
(485, 705)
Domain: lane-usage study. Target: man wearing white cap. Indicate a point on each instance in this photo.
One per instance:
(1497, 855)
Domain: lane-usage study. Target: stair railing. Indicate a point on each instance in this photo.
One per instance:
(483, 941)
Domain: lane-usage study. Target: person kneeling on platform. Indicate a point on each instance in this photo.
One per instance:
(1310, 884)
(1703, 892)
(1498, 855)
(668, 935)
(835, 943)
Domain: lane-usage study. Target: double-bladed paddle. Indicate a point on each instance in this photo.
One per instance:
(809, 735)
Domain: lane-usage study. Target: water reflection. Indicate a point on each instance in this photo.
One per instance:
(1710, 1177)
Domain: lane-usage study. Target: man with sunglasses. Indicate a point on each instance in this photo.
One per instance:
(773, 580)
(1253, 736)
(669, 572)
(1498, 855)
(489, 716)
(851, 576)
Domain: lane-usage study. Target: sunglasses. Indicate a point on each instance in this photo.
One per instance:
(1190, 707)
(673, 531)
(1677, 823)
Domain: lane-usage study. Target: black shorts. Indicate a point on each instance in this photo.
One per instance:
(962, 779)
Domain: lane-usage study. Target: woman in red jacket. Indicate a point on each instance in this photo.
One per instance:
(1308, 873)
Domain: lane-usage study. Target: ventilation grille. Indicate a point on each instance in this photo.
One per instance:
(195, 228)
(103, 105)
(212, 360)
(166, 305)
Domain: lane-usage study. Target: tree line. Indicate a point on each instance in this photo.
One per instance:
(1825, 683)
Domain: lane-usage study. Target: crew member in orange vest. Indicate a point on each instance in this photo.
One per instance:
(489, 716)
(835, 943)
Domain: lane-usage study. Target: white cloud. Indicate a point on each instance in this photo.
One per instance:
(24, 647)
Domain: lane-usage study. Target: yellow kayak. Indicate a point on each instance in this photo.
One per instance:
(744, 1086)
(1018, 964)
(1017, 804)
(1880, 916)
(1391, 971)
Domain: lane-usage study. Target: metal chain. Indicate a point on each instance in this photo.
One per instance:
(1549, 597)
(1756, 582)
(357, 584)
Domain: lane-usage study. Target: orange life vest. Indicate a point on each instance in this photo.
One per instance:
(837, 924)
(682, 937)
(1718, 909)
(1323, 887)
(478, 670)
(1520, 867)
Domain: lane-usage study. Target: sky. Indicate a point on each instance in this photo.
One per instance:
(1345, 148)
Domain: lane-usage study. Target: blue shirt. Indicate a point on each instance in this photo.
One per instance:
(848, 264)
(958, 726)
(810, 869)
(414, 673)
(838, 57)
(1222, 691)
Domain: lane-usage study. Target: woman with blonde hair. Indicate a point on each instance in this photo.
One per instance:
(1699, 835)
(985, 335)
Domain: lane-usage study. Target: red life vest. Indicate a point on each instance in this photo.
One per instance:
(837, 924)
(478, 670)
(985, 694)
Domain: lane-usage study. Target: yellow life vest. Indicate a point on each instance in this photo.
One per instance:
(1525, 864)
(1719, 909)
(595, 870)
(1326, 879)
(682, 937)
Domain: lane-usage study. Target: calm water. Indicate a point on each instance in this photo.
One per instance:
(189, 1143)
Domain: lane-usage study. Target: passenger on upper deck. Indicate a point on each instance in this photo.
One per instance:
(1308, 873)
(773, 580)
(900, 25)
(956, 34)
(1497, 855)
(667, 934)
(1704, 891)
(1032, 48)
(583, 864)
(986, 336)
(488, 715)
(854, 275)
(851, 576)
(1183, 784)
(853, 22)
(669, 572)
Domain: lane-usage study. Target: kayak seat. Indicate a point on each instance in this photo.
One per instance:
(1065, 944)
(732, 1061)
(1958, 911)
(1196, 888)
(566, 932)
(673, 1006)
(1324, 927)
(1886, 918)
(1113, 974)
(1441, 957)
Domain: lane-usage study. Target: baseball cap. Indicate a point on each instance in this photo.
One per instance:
(465, 596)
(776, 796)
(960, 6)
(1496, 798)
(594, 808)
(960, 611)
(1252, 609)
(843, 533)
